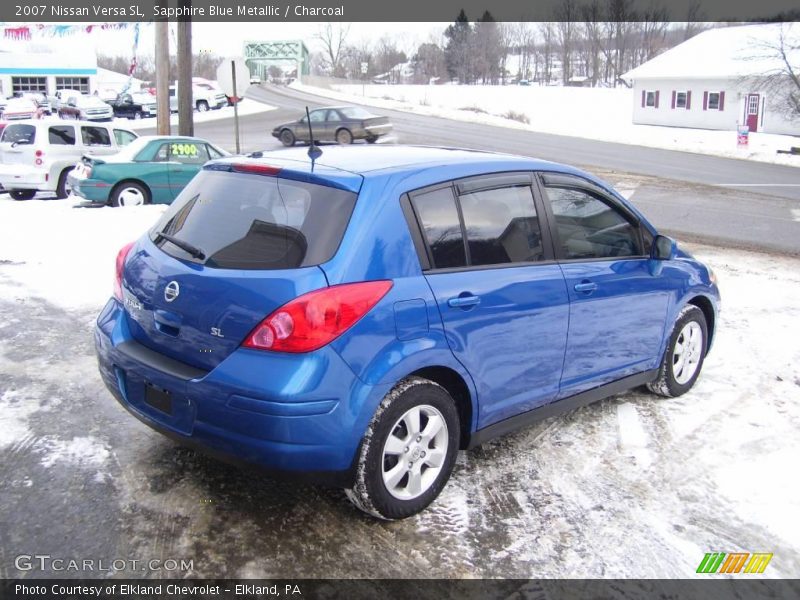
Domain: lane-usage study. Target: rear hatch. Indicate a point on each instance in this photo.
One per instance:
(245, 239)
(16, 144)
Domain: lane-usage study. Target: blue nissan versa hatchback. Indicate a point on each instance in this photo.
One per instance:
(357, 321)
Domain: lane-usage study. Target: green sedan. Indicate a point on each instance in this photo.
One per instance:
(151, 169)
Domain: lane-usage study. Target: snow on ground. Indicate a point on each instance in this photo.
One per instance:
(65, 254)
(594, 113)
(610, 490)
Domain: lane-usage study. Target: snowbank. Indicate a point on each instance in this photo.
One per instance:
(594, 113)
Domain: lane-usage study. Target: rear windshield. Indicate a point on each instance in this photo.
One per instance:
(20, 134)
(247, 221)
(355, 112)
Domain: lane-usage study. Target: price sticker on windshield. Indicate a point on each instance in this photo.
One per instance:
(183, 149)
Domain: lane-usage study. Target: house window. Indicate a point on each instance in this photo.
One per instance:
(680, 100)
(651, 99)
(713, 100)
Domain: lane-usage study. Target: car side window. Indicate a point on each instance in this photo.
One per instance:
(333, 115)
(589, 227)
(317, 116)
(502, 225)
(188, 153)
(123, 138)
(61, 135)
(441, 227)
(162, 153)
(213, 152)
(95, 136)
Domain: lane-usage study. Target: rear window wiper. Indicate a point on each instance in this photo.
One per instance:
(193, 250)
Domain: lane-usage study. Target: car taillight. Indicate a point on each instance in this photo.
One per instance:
(315, 319)
(38, 154)
(121, 256)
(256, 169)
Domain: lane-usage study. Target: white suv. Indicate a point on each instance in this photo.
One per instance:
(36, 155)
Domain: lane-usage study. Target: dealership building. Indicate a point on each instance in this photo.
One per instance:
(47, 72)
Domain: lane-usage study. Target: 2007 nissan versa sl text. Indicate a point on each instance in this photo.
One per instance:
(355, 320)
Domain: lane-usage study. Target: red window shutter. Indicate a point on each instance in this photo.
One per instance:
(722, 100)
(705, 100)
(674, 93)
(644, 94)
(688, 100)
(656, 106)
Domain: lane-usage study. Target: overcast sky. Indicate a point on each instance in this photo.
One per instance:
(227, 39)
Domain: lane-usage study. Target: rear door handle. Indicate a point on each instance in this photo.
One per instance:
(586, 287)
(464, 301)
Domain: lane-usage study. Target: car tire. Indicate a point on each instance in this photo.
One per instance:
(62, 187)
(287, 137)
(137, 116)
(22, 194)
(372, 139)
(129, 193)
(343, 136)
(400, 471)
(686, 351)
(202, 106)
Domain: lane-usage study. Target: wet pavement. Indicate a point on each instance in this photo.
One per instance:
(631, 486)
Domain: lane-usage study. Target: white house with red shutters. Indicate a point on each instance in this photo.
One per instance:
(715, 80)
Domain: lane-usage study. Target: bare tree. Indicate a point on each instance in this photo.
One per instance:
(429, 63)
(694, 14)
(621, 17)
(546, 47)
(781, 80)
(653, 26)
(592, 14)
(567, 17)
(333, 37)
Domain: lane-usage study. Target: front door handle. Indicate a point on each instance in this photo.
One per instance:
(464, 301)
(585, 286)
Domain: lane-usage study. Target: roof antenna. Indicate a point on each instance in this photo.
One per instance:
(314, 151)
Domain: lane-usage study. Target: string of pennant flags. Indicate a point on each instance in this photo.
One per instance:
(28, 32)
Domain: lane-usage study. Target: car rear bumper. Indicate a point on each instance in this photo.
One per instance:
(378, 130)
(89, 189)
(19, 177)
(300, 416)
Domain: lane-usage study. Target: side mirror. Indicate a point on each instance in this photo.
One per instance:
(664, 248)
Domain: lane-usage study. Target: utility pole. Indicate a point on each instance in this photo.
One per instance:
(185, 100)
(162, 78)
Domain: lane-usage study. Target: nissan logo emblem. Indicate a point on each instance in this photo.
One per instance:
(171, 291)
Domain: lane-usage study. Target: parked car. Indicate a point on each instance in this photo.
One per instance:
(40, 99)
(22, 108)
(358, 319)
(203, 99)
(152, 169)
(87, 108)
(341, 124)
(134, 106)
(35, 156)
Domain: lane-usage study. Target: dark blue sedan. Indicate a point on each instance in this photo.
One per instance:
(356, 320)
